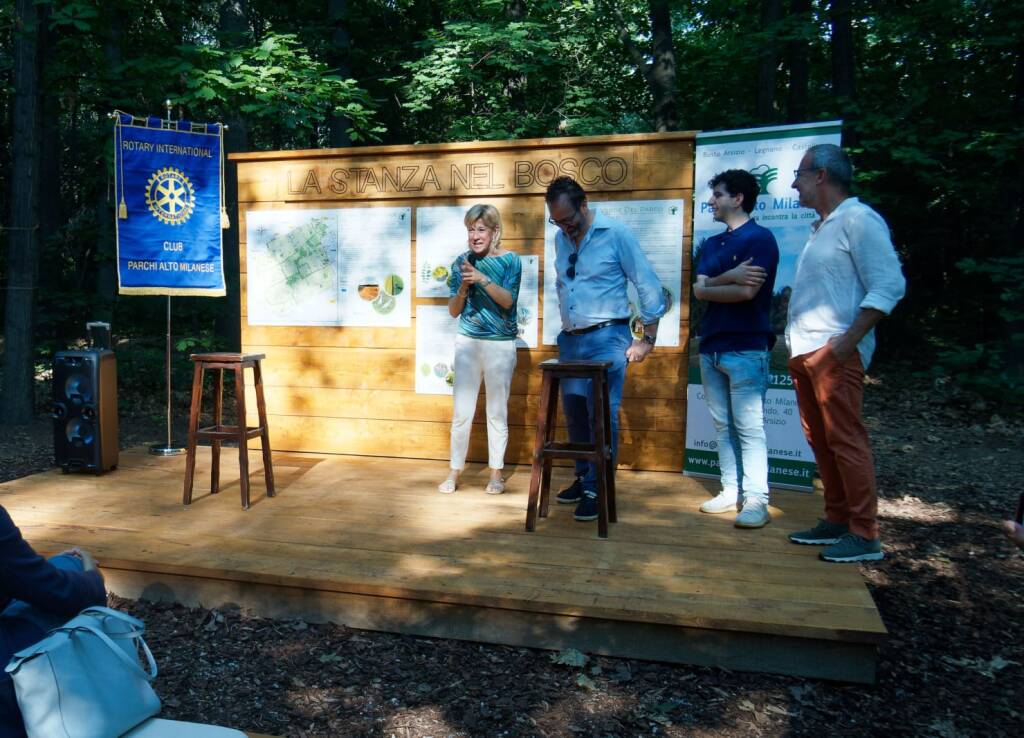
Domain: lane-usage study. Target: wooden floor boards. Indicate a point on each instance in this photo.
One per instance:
(369, 542)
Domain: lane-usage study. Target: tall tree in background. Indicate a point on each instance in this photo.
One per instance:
(17, 399)
(234, 31)
(112, 40)
(768, 60)
(338, 59)
(660, 71)
(841, 22)
(798, 60)
(516, 12)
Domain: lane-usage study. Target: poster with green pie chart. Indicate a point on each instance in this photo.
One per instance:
(375, 261)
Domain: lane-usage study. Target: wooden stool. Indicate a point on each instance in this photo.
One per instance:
(217, 432)
(600, 451)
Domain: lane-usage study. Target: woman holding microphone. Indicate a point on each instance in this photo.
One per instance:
(484, 291)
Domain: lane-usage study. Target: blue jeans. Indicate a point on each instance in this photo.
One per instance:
(735, 385)
(22, 625)
(604, 344)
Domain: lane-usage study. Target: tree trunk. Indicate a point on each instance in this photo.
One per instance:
(661, 74)
(235, 29)
(338, 59)
(515, 11)
(841, 19)
(799, 63)
(105, 206)
(768, 61)
(17, 399)
(1015, 349)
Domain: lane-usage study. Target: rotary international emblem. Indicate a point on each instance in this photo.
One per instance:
(170, 196)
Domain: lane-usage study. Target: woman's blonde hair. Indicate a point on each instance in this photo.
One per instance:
(491, 218)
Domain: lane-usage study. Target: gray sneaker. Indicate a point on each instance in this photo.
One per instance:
(754, 515)
(823, 534)
(852, 547)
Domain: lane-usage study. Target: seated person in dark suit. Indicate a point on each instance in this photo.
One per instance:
(36, 595)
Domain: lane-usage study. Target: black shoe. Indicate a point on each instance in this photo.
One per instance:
(571, 494)
(587, 509)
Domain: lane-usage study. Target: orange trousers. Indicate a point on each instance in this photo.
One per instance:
(830, 397)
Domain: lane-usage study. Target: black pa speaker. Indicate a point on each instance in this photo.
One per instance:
(85, 410)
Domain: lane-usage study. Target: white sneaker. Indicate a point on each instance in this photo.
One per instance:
(754, 515)
(721, 504)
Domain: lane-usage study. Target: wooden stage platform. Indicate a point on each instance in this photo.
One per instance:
(370, 543)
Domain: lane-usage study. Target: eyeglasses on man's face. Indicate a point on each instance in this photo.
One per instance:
(801, 170)
(568, 222)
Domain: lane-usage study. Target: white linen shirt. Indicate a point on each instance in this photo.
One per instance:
(848, 264)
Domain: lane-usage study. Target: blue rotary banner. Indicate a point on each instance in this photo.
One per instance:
(168, 179)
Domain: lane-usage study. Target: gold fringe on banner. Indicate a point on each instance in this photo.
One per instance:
(173, 291)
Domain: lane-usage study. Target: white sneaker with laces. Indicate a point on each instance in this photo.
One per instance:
(723, 503)
(754, 515)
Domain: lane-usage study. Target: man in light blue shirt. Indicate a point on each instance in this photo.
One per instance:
(595, 258)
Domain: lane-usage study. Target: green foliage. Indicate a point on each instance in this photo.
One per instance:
(993, 368)
(937, 124)
(275, 81)
(558, 71)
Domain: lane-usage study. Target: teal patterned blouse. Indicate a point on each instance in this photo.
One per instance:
(482, 317)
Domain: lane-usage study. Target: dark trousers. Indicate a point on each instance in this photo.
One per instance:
(21, 625)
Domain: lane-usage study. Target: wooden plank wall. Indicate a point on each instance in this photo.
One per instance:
(351, 390)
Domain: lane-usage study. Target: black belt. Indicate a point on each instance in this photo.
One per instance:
(591, 328)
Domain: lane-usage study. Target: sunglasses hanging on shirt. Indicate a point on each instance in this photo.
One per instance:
(571, 271)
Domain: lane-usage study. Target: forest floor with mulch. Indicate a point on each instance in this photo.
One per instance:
(949, 591)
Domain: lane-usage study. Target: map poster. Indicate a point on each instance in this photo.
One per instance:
(440, 237)
(527, 306)
(292, 264)
(374, 261)
(770, 154)
(435, 350)
(658, 226)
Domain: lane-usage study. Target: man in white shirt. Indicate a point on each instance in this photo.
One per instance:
(848, 278)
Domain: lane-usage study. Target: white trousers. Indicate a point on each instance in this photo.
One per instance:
(494, 361)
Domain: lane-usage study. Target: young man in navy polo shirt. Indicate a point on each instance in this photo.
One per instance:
(736, 276)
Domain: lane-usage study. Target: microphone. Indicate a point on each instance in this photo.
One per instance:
(472, 259)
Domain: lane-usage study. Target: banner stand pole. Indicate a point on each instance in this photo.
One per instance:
(169, 449)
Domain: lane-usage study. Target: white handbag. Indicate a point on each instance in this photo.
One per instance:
(85, 679)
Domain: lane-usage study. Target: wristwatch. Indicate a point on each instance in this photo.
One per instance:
(648, 339)
(487, 283)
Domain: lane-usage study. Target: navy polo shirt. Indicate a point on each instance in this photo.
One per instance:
(739, 326)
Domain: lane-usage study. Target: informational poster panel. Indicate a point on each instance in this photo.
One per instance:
(374, 258)
(771, 155)
(658, 226)
(440, 238)
(343, 267)
(292, 258)
(435, 350)
(529, 304)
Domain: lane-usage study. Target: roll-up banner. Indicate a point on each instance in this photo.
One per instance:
(770, 154)
(168, 188)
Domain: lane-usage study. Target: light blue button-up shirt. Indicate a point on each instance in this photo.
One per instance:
(609, 256)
